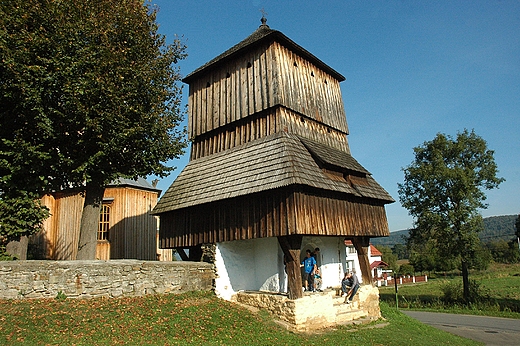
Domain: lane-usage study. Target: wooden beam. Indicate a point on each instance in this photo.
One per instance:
(182, 253)
(361, 244)
(290, 246)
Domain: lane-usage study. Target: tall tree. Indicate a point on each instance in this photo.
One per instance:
(443, 190)
(92, 89)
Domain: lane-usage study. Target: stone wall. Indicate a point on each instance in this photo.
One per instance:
(92, 279)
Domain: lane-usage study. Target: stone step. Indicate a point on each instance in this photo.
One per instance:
(349, 316)
(339, 302)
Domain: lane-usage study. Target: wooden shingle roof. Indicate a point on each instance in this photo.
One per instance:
(263, 34)
(268, 163)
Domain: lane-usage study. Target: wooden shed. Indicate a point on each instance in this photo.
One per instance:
(126, 227)
(270, 158)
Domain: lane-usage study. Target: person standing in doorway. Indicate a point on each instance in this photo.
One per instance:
(309, 266)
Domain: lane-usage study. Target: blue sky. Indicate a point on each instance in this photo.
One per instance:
(413, 69)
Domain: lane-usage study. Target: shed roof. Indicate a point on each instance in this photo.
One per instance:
(267, 163)
(263, 34)
(332, 156)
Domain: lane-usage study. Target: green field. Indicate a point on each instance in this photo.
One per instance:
(198, 318)
(500, 288)
(189, 319)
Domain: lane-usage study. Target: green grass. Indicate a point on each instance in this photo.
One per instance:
(194, 318)
(499, 287)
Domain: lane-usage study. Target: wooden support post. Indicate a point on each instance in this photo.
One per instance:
(361, 244)
(195, 254)
(291, 249)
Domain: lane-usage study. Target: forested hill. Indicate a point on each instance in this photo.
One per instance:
(495, 227)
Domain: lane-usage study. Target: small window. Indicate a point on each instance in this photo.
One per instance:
(350, 266)
(248, 64)
(312, 74)
(295, 64)
(104, 223)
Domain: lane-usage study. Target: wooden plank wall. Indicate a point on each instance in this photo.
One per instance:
(323, 215)
(132, 229)
(309, 128)
(59, 238)
(44, 240)
(268, 76)
(235, 90)
(240, 132)
(277, 213)
(256, 216)
(132, 234)
(265, 123)
(309, 90)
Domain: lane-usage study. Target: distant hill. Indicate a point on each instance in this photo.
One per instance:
(495, 228)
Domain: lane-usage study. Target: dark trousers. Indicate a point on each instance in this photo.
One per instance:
(309, 277)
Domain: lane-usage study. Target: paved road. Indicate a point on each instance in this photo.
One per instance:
(489, 330)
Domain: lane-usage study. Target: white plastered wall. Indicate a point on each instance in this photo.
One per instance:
(257, 264)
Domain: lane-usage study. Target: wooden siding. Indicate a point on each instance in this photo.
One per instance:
(263, 124)
(293, 122)
(262, 78)
(234, 91)
(133, 230)
(323, 215)
(103, 250)
(279, 212)
(59, 240)
(309, 90)
(132, 234)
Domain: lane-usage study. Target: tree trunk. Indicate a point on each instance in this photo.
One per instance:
(90, 222)
(291, 249)
(17, 248)
(465, 282)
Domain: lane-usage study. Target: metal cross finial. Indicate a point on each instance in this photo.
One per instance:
(263, 20)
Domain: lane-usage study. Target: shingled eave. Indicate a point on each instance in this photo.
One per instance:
(267, 163)
(344, 161)
(261, 35)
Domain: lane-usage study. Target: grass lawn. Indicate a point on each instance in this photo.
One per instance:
(499, 285)
(194, 318)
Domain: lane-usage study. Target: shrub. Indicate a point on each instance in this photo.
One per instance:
(453, 293)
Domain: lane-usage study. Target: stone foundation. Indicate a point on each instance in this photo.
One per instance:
(315, 310)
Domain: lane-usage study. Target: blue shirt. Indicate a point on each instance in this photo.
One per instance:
(308, 264)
